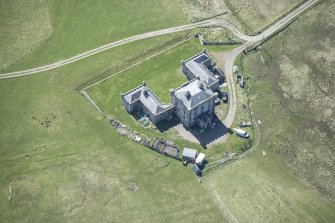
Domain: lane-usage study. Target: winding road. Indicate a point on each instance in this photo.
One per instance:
(230, 60)
(229, 63)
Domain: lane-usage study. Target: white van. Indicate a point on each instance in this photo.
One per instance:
(242, 133)
(200, 158)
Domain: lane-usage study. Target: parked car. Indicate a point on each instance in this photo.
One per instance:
(225, 97)
(200, 159)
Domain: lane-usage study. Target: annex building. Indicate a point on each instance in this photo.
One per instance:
(142, 98)
(201, 66)
(193, 102)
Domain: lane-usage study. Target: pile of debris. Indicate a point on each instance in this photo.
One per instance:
(124, 131)
(167, 148)
(245, 124)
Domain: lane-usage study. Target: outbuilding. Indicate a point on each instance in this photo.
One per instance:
(189, 154)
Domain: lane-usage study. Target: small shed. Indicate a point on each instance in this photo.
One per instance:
(196, 169)
(189, 154)
(200, 158)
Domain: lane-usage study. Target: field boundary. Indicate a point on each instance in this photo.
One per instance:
(237, 17)
(209, 17)
(205, 42)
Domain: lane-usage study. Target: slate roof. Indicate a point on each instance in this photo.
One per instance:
(143, 94)
(197, 67)
(193, 93)
(190, 153)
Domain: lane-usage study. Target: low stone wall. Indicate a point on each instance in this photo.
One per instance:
(210, 17)
(131, 135)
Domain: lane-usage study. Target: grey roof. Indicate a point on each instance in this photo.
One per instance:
(193, 93)
(143, 94)
(197, 67)
(191, 153)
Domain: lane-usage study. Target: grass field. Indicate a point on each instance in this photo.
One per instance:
(24, 26)
(74, 167)
(79, 26)
(61, 162)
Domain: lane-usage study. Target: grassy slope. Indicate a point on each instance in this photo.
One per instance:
(264, 188)
(77, 168)
(83, 25)
(302, 88)
(24, 26)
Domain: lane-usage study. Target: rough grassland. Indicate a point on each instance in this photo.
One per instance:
(220, 35)
(79, 26)
(296, 73)
(24, 26)
(65, 163)
(61, 162)
(262, 189)
(255, 15)
(288, 76)
(201, 9)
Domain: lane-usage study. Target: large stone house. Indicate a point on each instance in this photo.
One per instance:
(194, 104)
(142, 98)
(201, 66)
